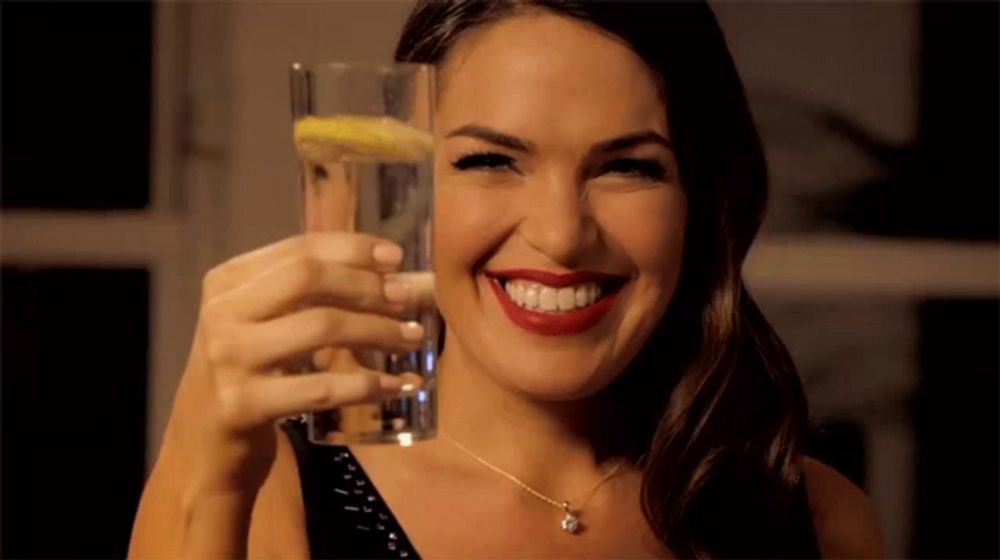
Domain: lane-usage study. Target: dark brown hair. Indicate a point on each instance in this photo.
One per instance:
(712, 402)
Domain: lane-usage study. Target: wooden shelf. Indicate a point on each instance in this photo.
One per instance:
(843, 264)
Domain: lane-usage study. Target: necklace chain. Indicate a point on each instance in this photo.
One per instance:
(562, 505)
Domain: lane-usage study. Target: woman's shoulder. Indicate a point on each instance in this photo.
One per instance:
(846, 523)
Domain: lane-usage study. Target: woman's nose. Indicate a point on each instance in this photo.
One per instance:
(557, 219)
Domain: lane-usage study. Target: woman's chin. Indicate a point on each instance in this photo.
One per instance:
(550, 380)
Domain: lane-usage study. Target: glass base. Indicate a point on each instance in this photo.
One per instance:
(402, 439)
(401, 421)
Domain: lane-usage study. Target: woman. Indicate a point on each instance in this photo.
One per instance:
(576, 143)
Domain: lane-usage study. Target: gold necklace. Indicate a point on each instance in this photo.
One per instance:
(571, 520)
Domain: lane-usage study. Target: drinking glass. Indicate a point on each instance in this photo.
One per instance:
(362, 133)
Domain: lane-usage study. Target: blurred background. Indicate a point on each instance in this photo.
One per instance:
(145, 142)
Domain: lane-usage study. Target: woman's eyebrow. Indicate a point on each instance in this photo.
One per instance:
(631, 140)
(514, 143)
(493, 137)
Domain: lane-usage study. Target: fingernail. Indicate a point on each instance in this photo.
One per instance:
(412, 330)
(390, 383)
(395, 291)
(387, 253)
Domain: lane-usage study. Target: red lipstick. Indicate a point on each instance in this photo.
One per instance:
(554, 324)
(556, 280)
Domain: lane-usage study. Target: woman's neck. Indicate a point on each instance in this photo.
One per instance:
(554, 447)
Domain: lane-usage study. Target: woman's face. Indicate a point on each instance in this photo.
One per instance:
(554, 180)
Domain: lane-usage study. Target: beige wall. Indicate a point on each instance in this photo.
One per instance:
(858, 57)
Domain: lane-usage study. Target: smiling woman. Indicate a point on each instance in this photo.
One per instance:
(598, 182)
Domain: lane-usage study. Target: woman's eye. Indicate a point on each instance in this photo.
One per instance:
(487, 161)
(645, 168)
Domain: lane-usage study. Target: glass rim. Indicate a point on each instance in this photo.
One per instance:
(349, 65)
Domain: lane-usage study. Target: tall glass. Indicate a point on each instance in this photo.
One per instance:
(363, 137)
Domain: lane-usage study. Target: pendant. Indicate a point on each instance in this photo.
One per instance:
(570, 523)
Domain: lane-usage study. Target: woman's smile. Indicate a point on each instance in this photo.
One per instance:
(551, 303)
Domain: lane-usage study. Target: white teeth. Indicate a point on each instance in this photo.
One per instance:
(532, 295)
(566, 297)
(547, 299)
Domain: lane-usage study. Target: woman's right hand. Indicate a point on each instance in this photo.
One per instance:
(265, 313)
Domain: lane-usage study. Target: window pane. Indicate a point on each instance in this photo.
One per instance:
(76, 105)
(75, 357)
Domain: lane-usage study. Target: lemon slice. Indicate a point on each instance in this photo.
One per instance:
(360, 138)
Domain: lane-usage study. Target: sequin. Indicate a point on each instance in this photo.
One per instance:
(370, 504)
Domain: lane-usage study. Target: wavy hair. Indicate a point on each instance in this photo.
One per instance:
(712, 407)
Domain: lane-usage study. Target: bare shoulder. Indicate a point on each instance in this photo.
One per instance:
(277, 525)
(846, 523)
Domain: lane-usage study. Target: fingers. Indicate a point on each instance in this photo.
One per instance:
(259, 345)
(302, 279)
(266, 309)
(323, 359)
(409, 381)
(345, 248)
(267, 399)
(420, 286)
